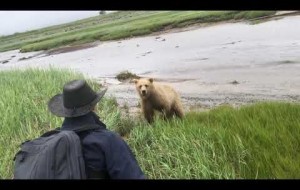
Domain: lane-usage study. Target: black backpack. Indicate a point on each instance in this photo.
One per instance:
(56, 154)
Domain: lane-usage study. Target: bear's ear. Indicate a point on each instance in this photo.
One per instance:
(134, 80)
(151, 80)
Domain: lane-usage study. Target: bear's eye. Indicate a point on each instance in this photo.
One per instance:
(146, 85)
(140, 86)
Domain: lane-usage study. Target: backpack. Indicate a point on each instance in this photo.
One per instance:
(56, 154)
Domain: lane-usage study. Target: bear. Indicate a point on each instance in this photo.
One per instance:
(160, 97)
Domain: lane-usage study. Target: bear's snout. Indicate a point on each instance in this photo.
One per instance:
(143, 92)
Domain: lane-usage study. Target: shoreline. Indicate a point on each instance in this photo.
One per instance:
(229, 63)
(71, 48)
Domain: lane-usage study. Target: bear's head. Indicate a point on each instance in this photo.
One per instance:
(144, 86)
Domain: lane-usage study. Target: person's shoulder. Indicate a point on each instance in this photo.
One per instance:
(105, 131)
(102, 138)
(102, 134)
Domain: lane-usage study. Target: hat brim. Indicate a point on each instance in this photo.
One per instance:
(56, 106)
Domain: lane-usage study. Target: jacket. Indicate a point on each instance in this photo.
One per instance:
(105, 153)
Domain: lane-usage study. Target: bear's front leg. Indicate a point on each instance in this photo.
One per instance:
(148, 112)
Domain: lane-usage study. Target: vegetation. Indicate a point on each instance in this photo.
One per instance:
(117, 25)
(255, 141)
(125, 75)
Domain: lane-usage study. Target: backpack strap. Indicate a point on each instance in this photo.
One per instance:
(76, 130)
(49, 133)
(91, 174)
(86, 128)
(97, 175)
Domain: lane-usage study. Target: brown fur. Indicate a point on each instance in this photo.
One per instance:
(156, 96)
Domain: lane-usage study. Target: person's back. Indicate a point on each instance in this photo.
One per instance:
(106, 154)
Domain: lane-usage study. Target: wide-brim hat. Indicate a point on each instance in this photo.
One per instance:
(76, 100)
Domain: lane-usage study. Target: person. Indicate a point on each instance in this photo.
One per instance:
(105, 153)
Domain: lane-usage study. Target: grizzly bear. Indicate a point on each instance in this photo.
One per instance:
(156, 96)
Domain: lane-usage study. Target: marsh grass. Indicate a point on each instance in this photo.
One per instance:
(259, 141)
(118, 25)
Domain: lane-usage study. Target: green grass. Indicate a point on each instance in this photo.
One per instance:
(24, 112)
(255, 141)
(118, 25)
(258, 141)
(250, 14)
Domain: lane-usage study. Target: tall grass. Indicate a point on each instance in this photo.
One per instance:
(118, 25)
(24, 110)
(255, 141)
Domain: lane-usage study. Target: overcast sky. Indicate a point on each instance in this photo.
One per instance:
(21, 21)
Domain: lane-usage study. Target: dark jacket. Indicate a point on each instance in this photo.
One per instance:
(105, 152)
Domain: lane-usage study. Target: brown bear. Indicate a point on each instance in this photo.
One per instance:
(156, 96)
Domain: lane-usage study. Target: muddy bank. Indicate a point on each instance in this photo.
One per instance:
(203, 97)
(230, 63)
